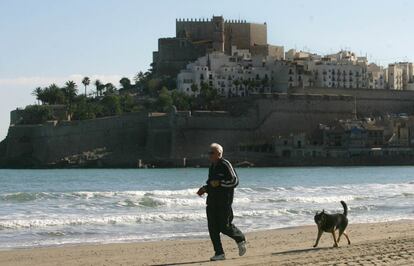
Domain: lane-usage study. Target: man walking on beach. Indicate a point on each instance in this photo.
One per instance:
(222, 179)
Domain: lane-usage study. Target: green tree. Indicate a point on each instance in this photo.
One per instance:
(99, 87)
(111, 105)
(70, 91)
(83, 109)
(181, 100)
(165, 100)
(139, 77)
(194, 88)
(54, 95)
(152, 87)
(208, 96)
(86, 81)
(38, 93)
(109, 88)
(36, 114)
(125, 83)
(127, 103)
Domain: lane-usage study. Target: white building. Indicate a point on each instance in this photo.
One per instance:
(401, 76)
(377, 77)
(395, 77)
(236, 75)
(241, 74)
(340, 70)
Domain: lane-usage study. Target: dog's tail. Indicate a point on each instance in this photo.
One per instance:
(345, 208)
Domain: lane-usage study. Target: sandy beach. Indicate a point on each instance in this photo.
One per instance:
(390, 243)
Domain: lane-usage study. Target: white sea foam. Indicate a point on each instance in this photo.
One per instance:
(111, 213)
(97, 220)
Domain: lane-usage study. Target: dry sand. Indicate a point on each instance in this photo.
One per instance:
(372, 244)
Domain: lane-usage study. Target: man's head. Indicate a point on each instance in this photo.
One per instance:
(215, 152)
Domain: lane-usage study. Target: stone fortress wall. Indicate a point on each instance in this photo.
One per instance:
(177, 135)
(370, 102)
(236, 32)
(51, 142)
(270, 116)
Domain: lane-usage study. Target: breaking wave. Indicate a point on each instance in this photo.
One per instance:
(96, 220)
(187, 197)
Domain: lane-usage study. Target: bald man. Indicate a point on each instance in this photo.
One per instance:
(222, 179)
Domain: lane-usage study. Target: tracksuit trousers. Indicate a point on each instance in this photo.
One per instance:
(220, 218)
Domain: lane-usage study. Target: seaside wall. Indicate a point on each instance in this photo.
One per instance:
(51, 142)
(162, 137)
(369, 101)
(270, 116)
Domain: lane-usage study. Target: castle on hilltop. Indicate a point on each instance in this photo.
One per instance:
(197, 37)
(234, 58)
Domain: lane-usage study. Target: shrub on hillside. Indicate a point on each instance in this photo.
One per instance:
(36, 114)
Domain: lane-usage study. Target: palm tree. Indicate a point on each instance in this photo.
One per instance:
(38, 92)
(53, 95)
(86, 81)
(98, 85)
(70, 91)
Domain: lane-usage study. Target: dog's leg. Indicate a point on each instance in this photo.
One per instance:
(320, 232)
(346, 235)
(339, 235)
(334, 237)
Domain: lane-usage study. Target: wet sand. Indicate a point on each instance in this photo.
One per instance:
(390, 243)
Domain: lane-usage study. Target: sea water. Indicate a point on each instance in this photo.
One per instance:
(55, 207)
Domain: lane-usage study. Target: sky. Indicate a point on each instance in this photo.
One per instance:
(52, 41)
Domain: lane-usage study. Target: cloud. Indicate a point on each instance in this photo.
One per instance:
(40, 81)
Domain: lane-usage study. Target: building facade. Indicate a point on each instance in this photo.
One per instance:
(231, 75)
(401, 76)
(377, 77)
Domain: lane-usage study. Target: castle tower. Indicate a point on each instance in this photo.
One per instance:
(218, 35)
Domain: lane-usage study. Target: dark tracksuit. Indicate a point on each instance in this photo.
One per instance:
(219, 201)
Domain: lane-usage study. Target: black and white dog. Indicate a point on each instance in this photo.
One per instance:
(330, 223)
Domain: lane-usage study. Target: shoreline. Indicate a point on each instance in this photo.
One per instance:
(168, 166)
(385, 242)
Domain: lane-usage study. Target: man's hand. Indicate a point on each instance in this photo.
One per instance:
(215, 183)
(201, 191)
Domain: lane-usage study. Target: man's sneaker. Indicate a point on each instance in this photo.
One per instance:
(218, 257)
(242, 248)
